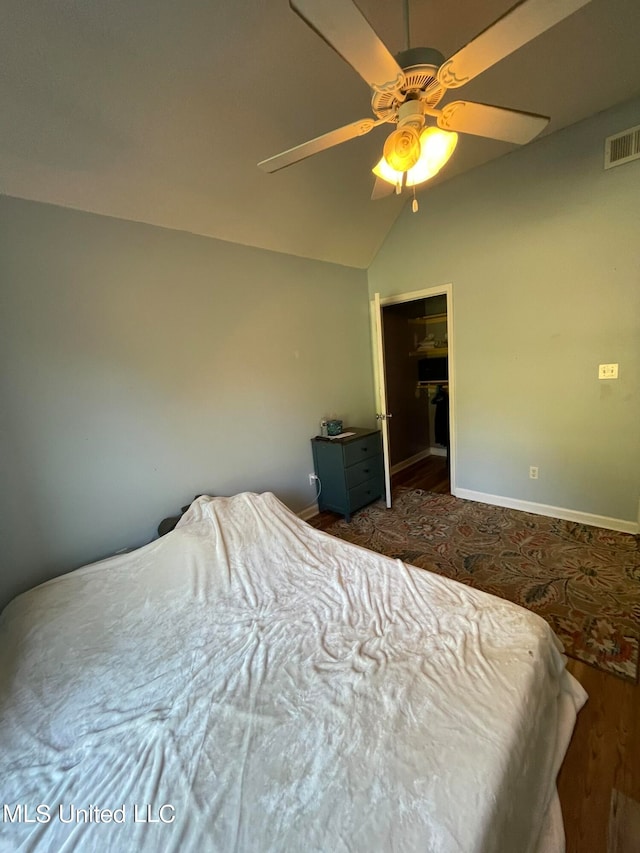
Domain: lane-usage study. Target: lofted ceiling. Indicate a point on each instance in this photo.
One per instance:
(159, 110)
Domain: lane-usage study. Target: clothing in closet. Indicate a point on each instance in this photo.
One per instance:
(441, 420)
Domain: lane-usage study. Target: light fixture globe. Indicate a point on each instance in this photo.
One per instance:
(436, 147)
(383, 170)
(402, 149)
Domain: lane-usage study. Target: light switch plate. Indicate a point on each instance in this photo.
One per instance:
(608, 371)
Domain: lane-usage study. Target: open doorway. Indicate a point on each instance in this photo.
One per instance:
(416, 363)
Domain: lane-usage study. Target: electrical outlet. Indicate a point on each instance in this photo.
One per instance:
(607, 371)
(533, 472)
(312, 479)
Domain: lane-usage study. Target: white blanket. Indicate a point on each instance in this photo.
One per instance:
(252, 684)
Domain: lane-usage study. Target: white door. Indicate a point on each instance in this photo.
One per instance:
(381, 390)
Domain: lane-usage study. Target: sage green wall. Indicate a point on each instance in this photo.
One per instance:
(142, 366)
(543, 250)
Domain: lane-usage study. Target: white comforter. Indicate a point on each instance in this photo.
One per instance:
(252, 684)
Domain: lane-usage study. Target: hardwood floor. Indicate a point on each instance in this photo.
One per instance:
(430, 474)
(604, 753)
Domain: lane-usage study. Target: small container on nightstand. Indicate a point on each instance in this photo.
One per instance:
(349, 469)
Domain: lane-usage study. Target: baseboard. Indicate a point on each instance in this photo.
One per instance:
(618, 524)
(437, 451)
(417, 457)
(309, 511)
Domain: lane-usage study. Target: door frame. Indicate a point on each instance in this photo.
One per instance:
(378, 360)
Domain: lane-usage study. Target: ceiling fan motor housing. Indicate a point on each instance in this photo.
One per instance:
(411, 113)
(420, 66)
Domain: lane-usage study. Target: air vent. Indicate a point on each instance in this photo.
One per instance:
(622, 147)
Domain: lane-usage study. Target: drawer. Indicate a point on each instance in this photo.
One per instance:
(362, 448)
(364, 494)
(368, 469)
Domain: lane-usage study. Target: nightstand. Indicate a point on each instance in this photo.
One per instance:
(349, 470)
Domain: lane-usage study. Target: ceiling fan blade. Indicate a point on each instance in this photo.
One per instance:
(343, 26)
(381, 189)
(519, 25)
(493, 122)
(320, 143)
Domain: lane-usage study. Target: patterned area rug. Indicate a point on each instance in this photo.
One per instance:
(585, 581)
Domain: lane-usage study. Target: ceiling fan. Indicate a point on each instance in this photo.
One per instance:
(407, 88)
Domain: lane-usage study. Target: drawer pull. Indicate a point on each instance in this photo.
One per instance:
(364, 449)
(366, 470)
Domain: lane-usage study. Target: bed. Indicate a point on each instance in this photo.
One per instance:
(249, 683)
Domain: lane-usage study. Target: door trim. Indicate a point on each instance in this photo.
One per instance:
(381, 392)
(378, 356)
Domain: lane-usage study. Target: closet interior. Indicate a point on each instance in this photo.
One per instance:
(416, 358)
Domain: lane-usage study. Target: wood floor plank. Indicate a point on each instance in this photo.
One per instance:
(624, 824)
(430, 474)
(627, 778)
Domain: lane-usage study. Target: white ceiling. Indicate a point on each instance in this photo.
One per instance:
(159, 110)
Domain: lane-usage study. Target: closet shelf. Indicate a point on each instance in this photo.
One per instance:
(429, 353)
(432, 318)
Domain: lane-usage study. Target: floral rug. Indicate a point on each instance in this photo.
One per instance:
(585, 581)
